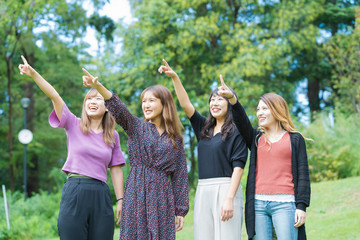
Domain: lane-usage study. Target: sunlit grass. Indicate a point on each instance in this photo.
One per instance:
(334, 212)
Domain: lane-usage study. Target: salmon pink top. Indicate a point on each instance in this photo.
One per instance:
(273, 167)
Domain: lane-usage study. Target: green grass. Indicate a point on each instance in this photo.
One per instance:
(334, 212)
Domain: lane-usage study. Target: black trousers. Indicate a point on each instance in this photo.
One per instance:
(86, 211)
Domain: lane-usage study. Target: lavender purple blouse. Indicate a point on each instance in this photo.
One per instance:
(88, 155)
(151, 201)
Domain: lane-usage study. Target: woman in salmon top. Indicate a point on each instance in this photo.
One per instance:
(278, 184)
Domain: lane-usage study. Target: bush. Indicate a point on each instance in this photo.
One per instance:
(335, 151)
(35, 218)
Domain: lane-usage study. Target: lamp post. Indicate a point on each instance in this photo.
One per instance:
(25, 137)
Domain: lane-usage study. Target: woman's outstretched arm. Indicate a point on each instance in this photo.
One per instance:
(91, 81)
(179, 89)
(46, 87)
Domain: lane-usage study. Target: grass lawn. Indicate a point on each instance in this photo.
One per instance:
(334, 212)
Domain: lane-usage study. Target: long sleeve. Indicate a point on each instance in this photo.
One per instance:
(243, 124)
(303, 189)
(179, 181)
(121, 114)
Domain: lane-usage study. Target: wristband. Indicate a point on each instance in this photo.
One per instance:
(119, 199)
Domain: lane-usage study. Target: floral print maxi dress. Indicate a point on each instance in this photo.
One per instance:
(151, 201)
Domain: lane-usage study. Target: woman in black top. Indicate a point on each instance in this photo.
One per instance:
(222, 156)
(262, 210)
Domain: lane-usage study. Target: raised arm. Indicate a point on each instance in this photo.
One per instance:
(113, 103)
(224, 91)
(44, 86)
(240, 118)
(91, 81)
(179, 89)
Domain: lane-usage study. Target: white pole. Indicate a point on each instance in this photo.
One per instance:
(6, 207)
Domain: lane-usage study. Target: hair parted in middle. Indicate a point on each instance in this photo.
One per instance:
(108, 121)
(227, 129)
(170, 119)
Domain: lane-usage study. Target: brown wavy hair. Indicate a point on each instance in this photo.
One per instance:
(227, 129)
(108, 121)
(170, 119)
(280, 110)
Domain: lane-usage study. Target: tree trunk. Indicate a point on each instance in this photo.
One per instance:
(11, 131)
(33, 184)
(313, 95)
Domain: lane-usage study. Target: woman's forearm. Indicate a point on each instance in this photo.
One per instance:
(183, 97)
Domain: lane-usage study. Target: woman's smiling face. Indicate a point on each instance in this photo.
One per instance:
(151, 106)
(218, 107)
(263, 113)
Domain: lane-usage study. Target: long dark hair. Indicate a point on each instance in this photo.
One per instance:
(227, 129)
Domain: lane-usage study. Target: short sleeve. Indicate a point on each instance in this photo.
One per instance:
(197, 122)
(239, 152)
(117, 157)
(66, 121)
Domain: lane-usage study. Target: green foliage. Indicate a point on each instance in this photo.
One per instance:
(103, 25)
(254, 46)
(343, 54)
(49, 34)
(334, 153)
(35, 218)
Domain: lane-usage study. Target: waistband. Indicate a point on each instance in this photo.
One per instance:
(84, 180)
(213, 181)
(76, 175)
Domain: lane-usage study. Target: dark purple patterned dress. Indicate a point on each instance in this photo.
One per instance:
(151, 201)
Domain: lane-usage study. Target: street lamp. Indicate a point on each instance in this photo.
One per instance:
(25, 137)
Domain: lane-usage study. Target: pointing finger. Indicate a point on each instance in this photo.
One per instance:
(222, 81)
(24, 60)
(166, 64)
(86, 72)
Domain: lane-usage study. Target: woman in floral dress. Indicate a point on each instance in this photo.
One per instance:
(156, 154)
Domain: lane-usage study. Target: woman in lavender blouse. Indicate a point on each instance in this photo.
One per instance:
(86, 210)
(156, 153)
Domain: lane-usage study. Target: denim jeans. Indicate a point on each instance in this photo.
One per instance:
(281, 215)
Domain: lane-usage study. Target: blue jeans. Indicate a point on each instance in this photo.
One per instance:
(279, 214)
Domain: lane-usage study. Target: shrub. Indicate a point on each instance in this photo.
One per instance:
(335, 151)
(35, 218)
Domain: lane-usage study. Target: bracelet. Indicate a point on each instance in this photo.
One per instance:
(119, 199)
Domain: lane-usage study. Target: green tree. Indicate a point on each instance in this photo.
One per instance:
(336, 17)
(254, 45)
(343, 54)
(22, 24)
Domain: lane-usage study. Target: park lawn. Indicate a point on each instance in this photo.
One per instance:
(334, 212)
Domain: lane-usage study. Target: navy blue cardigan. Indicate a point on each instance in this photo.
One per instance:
(300, 169)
